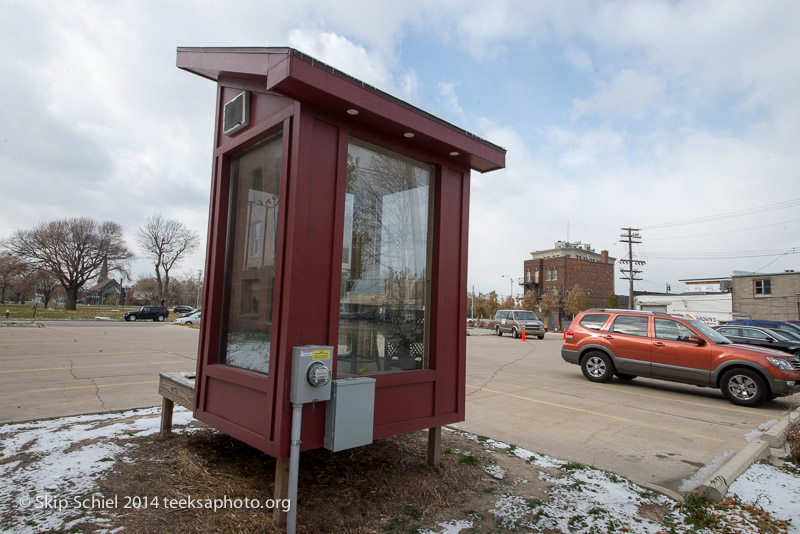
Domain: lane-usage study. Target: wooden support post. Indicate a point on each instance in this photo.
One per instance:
(174, 387)
(281, 491)
(166, 417)
(435, 446)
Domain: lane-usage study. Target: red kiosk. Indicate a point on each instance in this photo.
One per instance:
(339, 218)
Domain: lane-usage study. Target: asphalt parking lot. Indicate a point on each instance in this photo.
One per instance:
(650, 431)
(77, 367)
(521, 393)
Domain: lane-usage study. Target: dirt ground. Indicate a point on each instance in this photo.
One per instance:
(387, 486)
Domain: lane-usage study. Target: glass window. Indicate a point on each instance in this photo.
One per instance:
(630, 324)
(670, 330)
(250, 256)
(594, 321)
(729, 331)
(385, 286)
(752, 333)
(762, 287)
(555, 274)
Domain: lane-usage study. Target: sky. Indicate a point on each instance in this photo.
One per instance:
(681, 119)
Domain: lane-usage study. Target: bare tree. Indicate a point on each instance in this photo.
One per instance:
(166, 242)
(10, 267)
(46, 285)
(74, 250)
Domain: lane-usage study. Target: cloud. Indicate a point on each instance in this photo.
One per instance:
(630, 94)
(355, 60)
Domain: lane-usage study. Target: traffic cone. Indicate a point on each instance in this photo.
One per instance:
(523, 333)
(565, 334)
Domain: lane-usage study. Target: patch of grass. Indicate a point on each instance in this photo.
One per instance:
(697, 509)
(469, 459)
(574, 466)
(414, 512)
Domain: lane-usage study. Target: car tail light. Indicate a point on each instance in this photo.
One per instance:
(568, 334)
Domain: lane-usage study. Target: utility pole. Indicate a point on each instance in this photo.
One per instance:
(630, 238)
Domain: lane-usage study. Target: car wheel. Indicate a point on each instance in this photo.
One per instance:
(498, 332)
(540, 337)
(160, 318)
(131, 318)
(597, 367)
(514, 333)
(623, 376)
(743, 387)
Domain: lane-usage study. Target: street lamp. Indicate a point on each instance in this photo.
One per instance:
(511, 280)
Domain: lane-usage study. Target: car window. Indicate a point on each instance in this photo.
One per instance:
(670, 330)
(630, 324)
(594, 321)
(728, 331)
(525, 316)
(782, 335)
(753, 334)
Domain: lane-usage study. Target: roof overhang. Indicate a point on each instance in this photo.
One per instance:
(291, 73)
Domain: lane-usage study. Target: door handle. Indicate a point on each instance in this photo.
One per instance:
(608, 337)
(658, 344)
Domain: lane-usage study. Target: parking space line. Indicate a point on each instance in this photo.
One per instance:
(77, 387)
(137, 364)
(599, 414)
(80, 355)
(723, 407)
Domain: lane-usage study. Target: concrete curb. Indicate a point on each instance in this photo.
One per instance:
(716, 486)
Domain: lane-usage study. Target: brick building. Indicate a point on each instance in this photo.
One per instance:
(557, 270)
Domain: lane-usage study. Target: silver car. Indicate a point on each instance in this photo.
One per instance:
(513, 321)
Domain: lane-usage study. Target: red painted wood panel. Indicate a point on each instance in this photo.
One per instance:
(311, 111)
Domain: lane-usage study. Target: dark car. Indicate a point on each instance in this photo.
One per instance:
(763, 337)
(182, 309)
(772, 325)
(156, 313)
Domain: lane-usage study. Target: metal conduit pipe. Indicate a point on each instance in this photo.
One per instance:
(294, 466)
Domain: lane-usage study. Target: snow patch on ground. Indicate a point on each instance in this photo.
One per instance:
(774, 490)
(71, 455)
(702, 474)
(449, 527)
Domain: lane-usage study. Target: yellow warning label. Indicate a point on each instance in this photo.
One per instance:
(321, 355)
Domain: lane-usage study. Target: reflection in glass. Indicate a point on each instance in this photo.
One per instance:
(250, 256)
(385, 262)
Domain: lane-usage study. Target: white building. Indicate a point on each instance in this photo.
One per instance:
(711, 308)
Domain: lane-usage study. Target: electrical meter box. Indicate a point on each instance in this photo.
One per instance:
(350, 414)
(312, 369)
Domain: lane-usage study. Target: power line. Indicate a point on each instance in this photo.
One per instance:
(725, 255)
(725, 231)
(720, 216)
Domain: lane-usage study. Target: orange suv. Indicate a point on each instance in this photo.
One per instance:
(629, 343)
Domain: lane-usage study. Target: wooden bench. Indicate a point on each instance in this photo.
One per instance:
(174, 387)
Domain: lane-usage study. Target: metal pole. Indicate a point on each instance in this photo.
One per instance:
(294, 467)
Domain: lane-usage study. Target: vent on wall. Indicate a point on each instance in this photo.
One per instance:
(236, 114)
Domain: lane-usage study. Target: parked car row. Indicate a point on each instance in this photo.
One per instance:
(192, 317)
(160, 313)
(626, 344)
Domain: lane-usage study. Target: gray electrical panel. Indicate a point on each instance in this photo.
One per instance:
(312, 367)
(350, 414)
